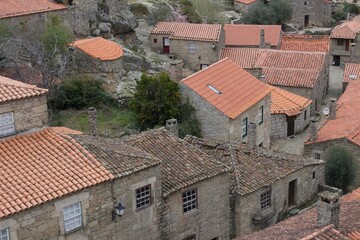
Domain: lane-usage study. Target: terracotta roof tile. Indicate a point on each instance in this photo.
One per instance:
(249, 35)
(284, 102)
(247, 2)
(354, 235)
(13, 90)
(346, 30)
(305, 43)
(14, 8)
(326, 233)
(252, 169)
(189, 31)
(42, 166)
(281, 68)
(348, 110)
(351, 72)
(239, 90)
(181, 163)
(99, 48)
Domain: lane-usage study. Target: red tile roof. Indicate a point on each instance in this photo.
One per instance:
(354, 235)
(348, 110)
(326, 233)
(351, 72)
(305, 43)
(346, 30)
(189, 31)
(305, 223)
(247, 2)
(14, 8)
(239, 90)
(284, 102)
(13, 90)
(249, 35)
(282, 68)
(99, 48)
(42, 166)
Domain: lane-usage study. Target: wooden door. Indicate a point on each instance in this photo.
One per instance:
(290, 125)
(292, 193)
(166, 45)
(306, 20)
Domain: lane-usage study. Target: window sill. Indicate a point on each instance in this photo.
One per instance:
(190, 212)
(142, 208)
(73, 230)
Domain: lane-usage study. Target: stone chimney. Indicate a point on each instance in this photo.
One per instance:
(262, 38)
(251, 135)
(313, 129)
(172, 126)
(332, 114)
(352, 52)
(267, 45)
(328, 208)
(92, 121)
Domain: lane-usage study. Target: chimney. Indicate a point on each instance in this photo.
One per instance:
(332, 114)
(313, 129)
(262, 78)
(262, 38)
(267, 45)
(172, 126)
(328, 208)
(92, 121)
(251, 135)
(352, 52)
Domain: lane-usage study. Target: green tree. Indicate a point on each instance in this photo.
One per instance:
(188, 123)
(271, 12)
(340, 168)
(156, 99)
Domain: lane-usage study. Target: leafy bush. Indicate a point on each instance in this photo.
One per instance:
(340, 168)
(189, 10)
(79, 92)
(188, 124)
(157, 99)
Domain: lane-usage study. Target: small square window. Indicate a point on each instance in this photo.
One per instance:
(4, 234)
(192, 47)
(313, 175)
(203, 66)
(317, 155)
(7, 126)
(155, 40)
(261, 115)
(192, 237)
(265, 199)
(143, 196)
(244, 127)
(340, 42)
(305, 3)
(72, 217)
(189, 200)
(305, 114)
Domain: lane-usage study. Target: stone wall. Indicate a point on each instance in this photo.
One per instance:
(216, 125)
(97, 202)
(248, 206)
(319, 12)
(28, 113)
(210, 220)
(351, 55)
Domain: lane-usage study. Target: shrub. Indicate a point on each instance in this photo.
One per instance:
(340, 168)
(161, 12)
(189, 10)
(188, 124)
(79, 92)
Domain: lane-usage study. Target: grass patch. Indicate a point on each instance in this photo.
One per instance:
(111, 120)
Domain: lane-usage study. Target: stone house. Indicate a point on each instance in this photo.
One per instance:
(332, 217)
(253, 36)
(351, 72)
(98, 57)
(265, 185)
(231, 105)
(343, 43)
(305, 43)
(195, 187)
(22, 107)
(290, 113)
(311, 13)
(302, 73)
(243, 6)
(198, 45)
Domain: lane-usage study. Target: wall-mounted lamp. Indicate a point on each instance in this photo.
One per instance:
(213, 46)
(118, 211)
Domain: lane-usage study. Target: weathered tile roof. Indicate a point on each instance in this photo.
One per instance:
(13, 90)
(14, 8)
(346, 30)
(354, 235)
(189, 31)
(181, 163)
(42, 166)
(327, 233)
(239, 90)
(305, 43)
(281, 68)
(252, 169)
(284, 102)
(348, 111)
(305, 223)
(249, 35)
(99, 48)
(247, 2)
(351, 72)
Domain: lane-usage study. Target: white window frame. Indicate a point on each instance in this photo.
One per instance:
(143, 197)
(72, 217)
(192, 47)
(244, 127)
(7, 124)
(166, 41)
(261, 115)
(6, 235)
(203, 66)
(189, 199)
